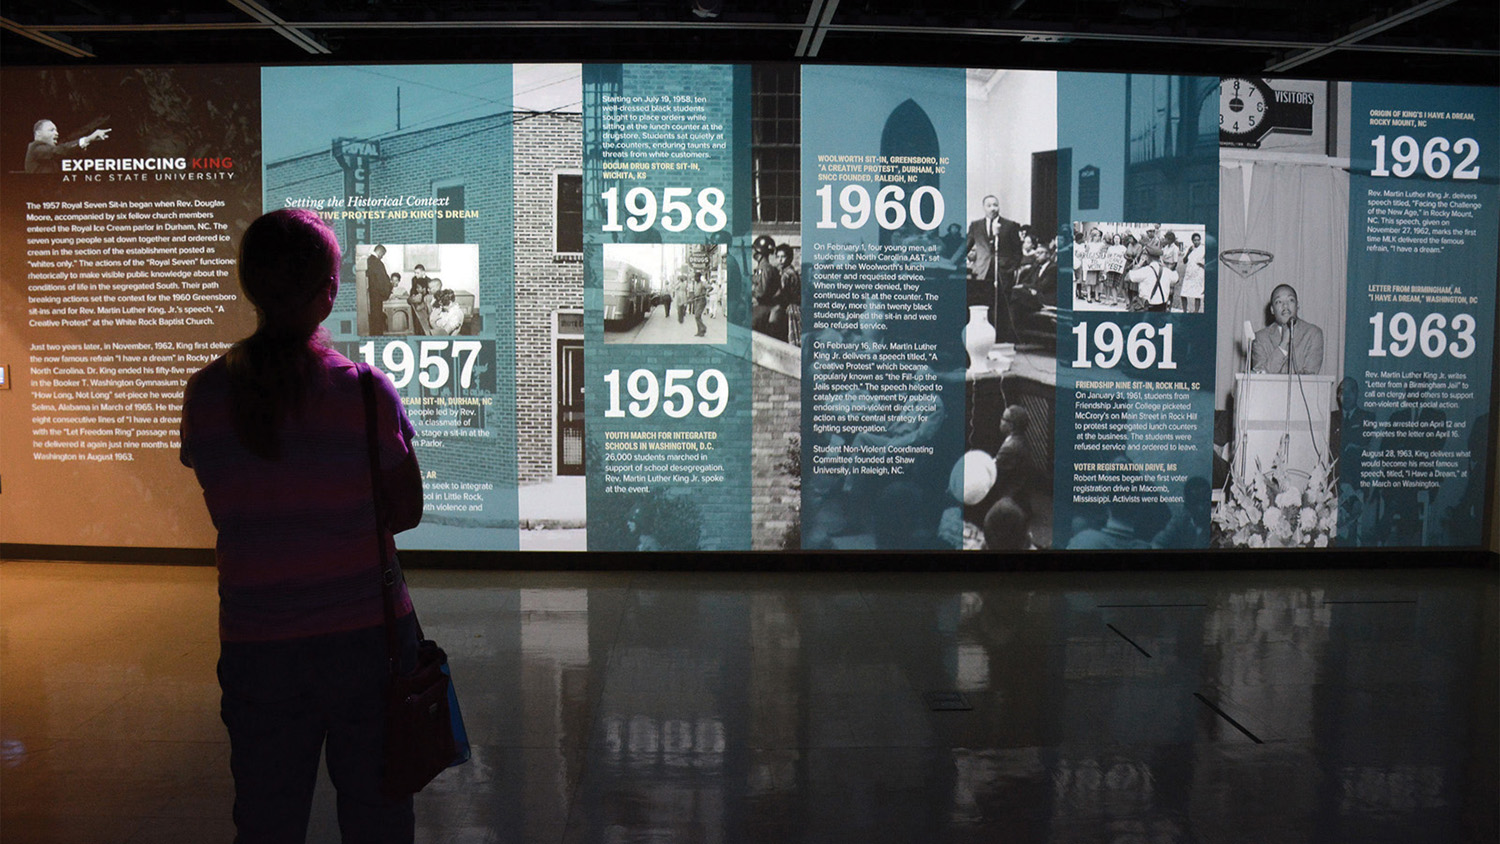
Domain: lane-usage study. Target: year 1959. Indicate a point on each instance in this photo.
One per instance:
(672, 395)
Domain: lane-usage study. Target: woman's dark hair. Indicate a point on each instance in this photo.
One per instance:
(288, 258)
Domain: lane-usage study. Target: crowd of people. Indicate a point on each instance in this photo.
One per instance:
(993, 509)
(1138, 268)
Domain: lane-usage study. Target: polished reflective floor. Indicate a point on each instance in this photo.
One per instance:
(617, 707)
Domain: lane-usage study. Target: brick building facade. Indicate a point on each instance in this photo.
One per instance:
(549, 295)
(520, 172)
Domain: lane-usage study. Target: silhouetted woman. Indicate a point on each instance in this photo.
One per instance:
(275, 431)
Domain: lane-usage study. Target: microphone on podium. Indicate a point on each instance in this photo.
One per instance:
(1289, 323)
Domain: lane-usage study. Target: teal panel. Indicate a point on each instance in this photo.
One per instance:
(404, 158)
(1135, 370)
(667, 348)
(883, 174)
(1424, 212)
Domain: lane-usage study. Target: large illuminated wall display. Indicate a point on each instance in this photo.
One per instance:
(649, 307)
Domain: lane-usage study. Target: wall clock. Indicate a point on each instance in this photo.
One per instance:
(1244, 110)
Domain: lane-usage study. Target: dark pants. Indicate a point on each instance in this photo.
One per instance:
(377, 316)
(282, 701)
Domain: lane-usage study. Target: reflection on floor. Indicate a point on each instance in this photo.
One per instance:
(618, 707)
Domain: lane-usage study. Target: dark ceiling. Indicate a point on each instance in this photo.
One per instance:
(1449, 41)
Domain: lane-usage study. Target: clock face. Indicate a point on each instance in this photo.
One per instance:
(1243, 107)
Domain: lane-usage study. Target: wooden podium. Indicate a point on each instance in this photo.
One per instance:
(1273, 413)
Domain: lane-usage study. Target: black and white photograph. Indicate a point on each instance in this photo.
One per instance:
(776, 287)
(547, 168)
(418, 290)
(1154, 267)
(665, 293)
(1278, 404)
(1001, 490)
(776, 179)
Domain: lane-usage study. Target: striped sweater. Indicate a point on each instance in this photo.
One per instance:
(296, 547)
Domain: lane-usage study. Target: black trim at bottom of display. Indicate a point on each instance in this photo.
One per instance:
(130, 555)
(866, 561)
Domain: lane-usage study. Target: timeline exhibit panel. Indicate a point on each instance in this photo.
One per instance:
(665, 218)
(1136, 327)
(1423, 215)
(882, 306)
(662, 307)
(417, 182)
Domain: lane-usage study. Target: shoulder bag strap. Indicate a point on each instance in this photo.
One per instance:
(388, 575)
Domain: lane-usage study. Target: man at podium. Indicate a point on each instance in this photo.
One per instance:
(1288, 345)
